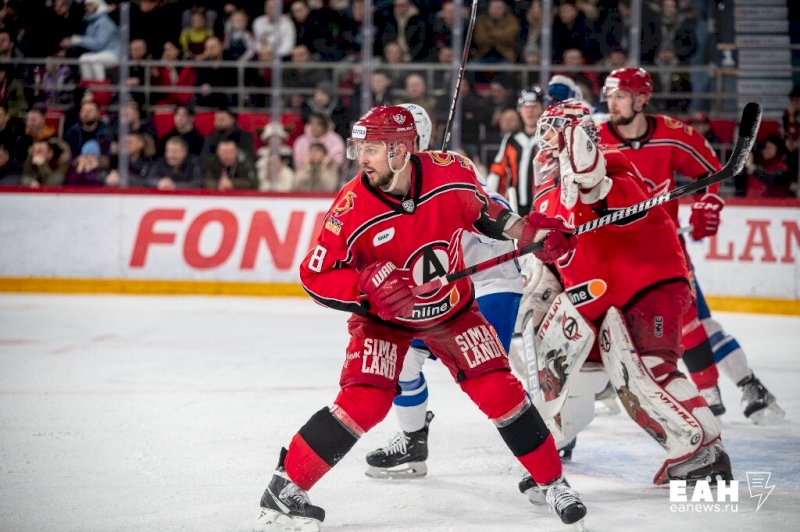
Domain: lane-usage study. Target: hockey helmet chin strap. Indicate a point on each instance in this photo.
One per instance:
(395, 173)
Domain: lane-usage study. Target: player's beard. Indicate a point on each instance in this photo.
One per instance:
(379, 180)
(624, 120)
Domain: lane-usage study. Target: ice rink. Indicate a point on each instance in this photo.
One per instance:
(123, 413)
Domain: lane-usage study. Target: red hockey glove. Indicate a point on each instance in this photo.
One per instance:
(558, 240)
(388, 290)
(705, 216)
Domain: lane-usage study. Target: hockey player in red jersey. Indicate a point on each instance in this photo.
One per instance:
(661, 147)
(627, 280)
(395, 226)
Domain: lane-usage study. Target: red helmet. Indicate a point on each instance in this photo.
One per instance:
(560, 114)
(390, 124)
(630, 79)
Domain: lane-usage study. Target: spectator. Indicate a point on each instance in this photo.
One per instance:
(210, 16)
(8, 47)
(193, 38)
(573, 58)
(416, 91)
(240, 45)
(156, 22)
(137, 73)
(702, 124)
(475, 115)
(442, 79)
(321, 30)
(615, 31)
(85, 169)
(533, 25)
(318, 129)
(496, 36)
(56, 22)
(444, 22)
(274, 172)
(500, 99)
(47, 164)
(12, 92)
(510, 121)
(100, 41)
(278, 35)
(89, 127)
(318, 173)
(299, 76)
(229, 168)
(351, 28)
(177, 169)
(143, 126)
(571, 29)
(670, 81)
(10, 172)
(11, 134)
(676, 31)
(404, 25)
(766, 175)
(183, 118)
(325, 101)
(380, 84)
(531, 56)
(791, 128)
(139, 163)
(393, 55)
(226, 128)
(36, 129)
(53, 84)
(173, 77)
(260, 78)
(215, 80)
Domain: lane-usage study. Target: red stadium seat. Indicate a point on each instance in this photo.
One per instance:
(55, 119)
(204, 122)
(768, 127)
(723, 129)
(101, 90)
(163, 123)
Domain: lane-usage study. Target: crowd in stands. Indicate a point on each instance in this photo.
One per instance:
(58, 119)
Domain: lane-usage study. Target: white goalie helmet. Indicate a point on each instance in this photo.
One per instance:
(423, 123)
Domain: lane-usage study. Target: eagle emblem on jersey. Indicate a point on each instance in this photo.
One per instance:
(344, 204)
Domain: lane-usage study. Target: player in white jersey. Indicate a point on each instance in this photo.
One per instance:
(498, 292)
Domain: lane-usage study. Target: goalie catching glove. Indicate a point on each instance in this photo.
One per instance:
(388, 290)
(557, 236)
(705, 216)
(582, 167)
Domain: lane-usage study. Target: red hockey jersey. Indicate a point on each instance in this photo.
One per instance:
(613, 263)
(668, 147)
(420, 233)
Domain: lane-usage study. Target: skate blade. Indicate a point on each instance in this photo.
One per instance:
(273, 521)
(403, 471)
(769, 415)
(606, 407)
(536, 496)
(579, 526)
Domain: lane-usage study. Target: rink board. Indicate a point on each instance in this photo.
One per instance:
(252, 244)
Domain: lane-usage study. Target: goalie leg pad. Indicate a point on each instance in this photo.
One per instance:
(331, 432)
(653, 404)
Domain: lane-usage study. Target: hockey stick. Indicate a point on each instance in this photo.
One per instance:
(464, 57)
(751, 118)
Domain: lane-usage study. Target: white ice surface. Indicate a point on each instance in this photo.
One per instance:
(167, 413)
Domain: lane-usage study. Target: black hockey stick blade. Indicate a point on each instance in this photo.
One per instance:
(748, 129)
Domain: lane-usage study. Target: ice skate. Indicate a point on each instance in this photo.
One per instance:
(759, 404)
(708, 463)
(714, 400)
(605, 402)
(285, 507)
(564, 501)
(565, 452)
(403, 457)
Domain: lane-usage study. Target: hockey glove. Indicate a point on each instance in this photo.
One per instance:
(556, 235)
(705, 216)
(387, 289)
(582, 166)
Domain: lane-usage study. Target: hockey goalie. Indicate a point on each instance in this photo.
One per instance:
(620, 313)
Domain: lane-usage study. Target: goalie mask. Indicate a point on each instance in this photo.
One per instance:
(558, 115)
(390, 125)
